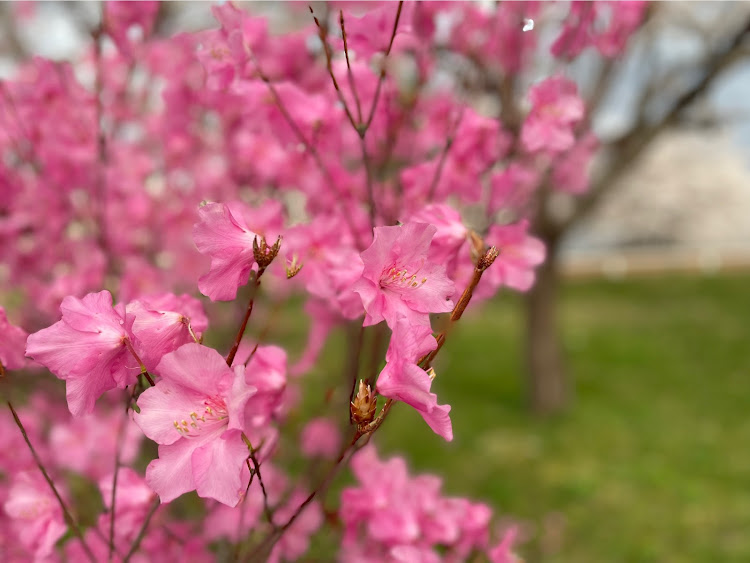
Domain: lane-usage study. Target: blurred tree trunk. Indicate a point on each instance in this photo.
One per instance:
(548, 389)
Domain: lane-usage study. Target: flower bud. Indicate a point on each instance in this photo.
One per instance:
(488, 258)
(363, 405)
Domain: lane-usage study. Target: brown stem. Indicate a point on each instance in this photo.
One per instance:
(309, 147)
(265, 547)
(382, 70)
(444, 155)
(141, 532)
(350, 76)
(112, 512)
(368, 176)
(66, 513)
(248, 312)
(266, 507)
(323, 34)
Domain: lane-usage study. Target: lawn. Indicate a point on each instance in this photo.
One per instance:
(651, 462)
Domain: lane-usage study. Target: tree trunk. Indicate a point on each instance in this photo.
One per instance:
(548, 387)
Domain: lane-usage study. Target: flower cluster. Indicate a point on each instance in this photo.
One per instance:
(331, 163)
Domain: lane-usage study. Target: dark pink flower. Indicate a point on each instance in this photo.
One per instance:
(403, 380)
(225, 233)
(556, 109)
(196, 414)
(519, 254)
(88, 348)
(163, 323)
(398, 280)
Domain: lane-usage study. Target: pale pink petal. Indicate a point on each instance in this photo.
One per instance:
(217, 468)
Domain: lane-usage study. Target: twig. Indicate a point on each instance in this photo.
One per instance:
(308, 146)
(323, 34)
(66, 513)
(248, 312)
(267, 544)
(266, 507)
(444, 154)
(382, 70)
(349, 68)
(142, 531)
(118, 446)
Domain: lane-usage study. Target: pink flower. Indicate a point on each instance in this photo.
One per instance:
(502, 553)
(196, 414)
(163, 323)
(120, 17)
(296, 540)
(88, 348)
(320, 437)
(12, 344)
(398, 281)
(519, 254)
(226, 232)
(570, 172)
(36, 515)
(556, 110)
(87, 444)
(451, 233)
(403, 380)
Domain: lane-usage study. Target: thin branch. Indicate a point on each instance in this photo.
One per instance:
(636, 142)
(112, 512)
(323, 34)
(382, 70)
(264, 548)
(349, 73)
(308, 146)
(368, 179)
(66, 513)
(266, 507)
(248, 312)
(101, 148)
(142, 531)
(444, 155)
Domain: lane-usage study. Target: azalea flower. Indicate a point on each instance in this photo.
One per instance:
(196, 414)
(402, 379)
(398, 280)
(90, 348)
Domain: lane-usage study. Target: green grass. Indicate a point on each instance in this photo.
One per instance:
(651, 462)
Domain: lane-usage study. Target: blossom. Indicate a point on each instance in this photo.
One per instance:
(12, 344)
(88, 348)
(225, 233)
(36, 515)
(398, 280)
(163, 323)
(556, 109)
(320, 437)
(402, 379)
(196, 414)
(519, 254)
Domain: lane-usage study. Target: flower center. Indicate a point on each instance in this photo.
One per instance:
(399, 279)
(214, 414)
